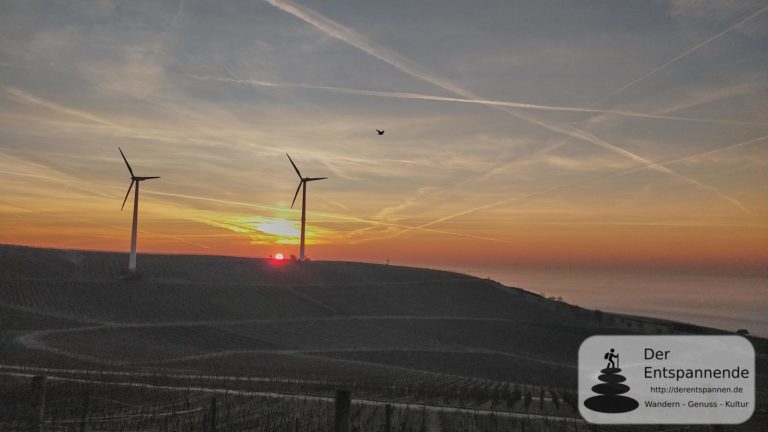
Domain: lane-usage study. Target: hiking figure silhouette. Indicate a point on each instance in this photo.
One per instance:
(610, 399)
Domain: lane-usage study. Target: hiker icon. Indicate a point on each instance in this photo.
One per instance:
(610, 397)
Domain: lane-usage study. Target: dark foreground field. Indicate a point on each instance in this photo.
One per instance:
(273, 341)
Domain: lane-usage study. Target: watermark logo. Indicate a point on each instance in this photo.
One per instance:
(633, 379)
(611, 389)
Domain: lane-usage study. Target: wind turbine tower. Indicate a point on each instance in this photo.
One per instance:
(137, 180)
(303, 186)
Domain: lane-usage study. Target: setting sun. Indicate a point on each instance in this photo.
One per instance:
(279, 227)
(279, 256)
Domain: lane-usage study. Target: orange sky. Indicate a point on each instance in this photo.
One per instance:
(518, 243)
(521, 136)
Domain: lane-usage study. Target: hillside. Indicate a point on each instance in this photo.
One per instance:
(330, 321)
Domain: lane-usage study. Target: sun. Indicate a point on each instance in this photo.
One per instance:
(279, 227)
(279, 256)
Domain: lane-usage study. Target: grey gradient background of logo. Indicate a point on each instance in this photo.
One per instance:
(686, 352)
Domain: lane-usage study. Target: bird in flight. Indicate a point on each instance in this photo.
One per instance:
(381, 132)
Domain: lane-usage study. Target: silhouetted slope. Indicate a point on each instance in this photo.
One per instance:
(87, 286)
(236, 315)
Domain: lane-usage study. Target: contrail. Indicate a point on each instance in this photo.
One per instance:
(167, 30)
(330, 216)
(351, 37)
(568, 186)
(499, 166)
(706, 153)
(660, 168)
(215, 200)
(394, 59)
(144, 132)
(15, 66)
(146, 234)
(493, 205)
(588, 137)
(685, 53)
(335, 216)
(27, 98)
(428, 97)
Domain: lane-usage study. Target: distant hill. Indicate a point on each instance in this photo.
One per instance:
(65, 308)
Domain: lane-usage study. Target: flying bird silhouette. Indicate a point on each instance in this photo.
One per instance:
(381, 132)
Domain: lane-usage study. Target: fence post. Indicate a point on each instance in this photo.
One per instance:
(343, 406)
(37, 412)
(84, 412)
(213, 414)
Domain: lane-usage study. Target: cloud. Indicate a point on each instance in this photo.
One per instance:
(164, 35)
(94, 8)
(266, 230)
(698, 97)
(491, 102)
(136, 74)
(682, 55)
(349, 36)
(663, 169)
(387, 212)
(604, 177)
(53, 45)
(706, 8)
(583, 164)
(332, 216)
(354, 39)
(443, 156)
(24, 97)
(701, 155)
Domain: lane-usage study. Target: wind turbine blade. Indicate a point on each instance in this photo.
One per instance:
(297, 193)
(126, 195)
(126, 163)
(316, 178)
(146, 178)
(294, 165)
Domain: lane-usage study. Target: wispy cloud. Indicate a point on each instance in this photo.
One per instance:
(663, 169)
(327, 215)
(164, 35)
(701, 155)
(683, 55)
(356, 40)
(698, 97)
(491, 102)
(602, 177)
(351, 37)
(488, 131)
(708, 9)
(24, 97)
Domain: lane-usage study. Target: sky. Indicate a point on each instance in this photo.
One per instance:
(592, 133)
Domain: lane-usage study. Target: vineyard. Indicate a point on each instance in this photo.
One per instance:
(133, 403)
(231, 344)
(138, 403)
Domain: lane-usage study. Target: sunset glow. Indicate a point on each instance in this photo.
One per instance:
(532, 139)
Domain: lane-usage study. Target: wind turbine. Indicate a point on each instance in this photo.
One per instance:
(134, 179)
(303, 186)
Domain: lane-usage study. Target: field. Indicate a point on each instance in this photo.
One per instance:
(272, 343)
